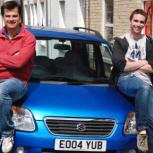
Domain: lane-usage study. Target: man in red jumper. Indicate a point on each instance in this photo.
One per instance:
(17, 50)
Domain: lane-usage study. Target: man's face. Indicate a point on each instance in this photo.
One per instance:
(137, 23)
(11, 19)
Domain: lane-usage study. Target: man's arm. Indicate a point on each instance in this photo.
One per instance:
(134, 65)
(22, 57)
(118, 56)
(2, 68)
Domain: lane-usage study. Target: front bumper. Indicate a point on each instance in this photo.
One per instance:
(42, 141)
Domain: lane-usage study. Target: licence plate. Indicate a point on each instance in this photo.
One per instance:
(80, 145)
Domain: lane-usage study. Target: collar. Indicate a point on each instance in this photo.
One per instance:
(5, 32)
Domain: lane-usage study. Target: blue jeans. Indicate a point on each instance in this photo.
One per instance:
(132, 86)
(11, 90)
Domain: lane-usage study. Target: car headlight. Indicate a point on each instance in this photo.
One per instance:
(23, 119)
(130, 124)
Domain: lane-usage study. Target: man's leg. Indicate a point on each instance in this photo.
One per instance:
(143, 94)
(141, 106)
(135, 87)
(10, 90)
(150, 121)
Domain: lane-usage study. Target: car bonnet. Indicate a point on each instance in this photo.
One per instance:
(54, 100)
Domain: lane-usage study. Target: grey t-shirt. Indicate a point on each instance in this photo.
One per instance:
(137, 51)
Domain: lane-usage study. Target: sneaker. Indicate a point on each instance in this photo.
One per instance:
(7, 144)
(142, 141)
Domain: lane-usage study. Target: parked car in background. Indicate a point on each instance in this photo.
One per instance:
(70, 105)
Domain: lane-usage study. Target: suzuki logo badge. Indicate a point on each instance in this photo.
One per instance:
(81, 127)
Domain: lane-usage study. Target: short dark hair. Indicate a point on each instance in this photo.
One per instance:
(138, 11)
(11, 5)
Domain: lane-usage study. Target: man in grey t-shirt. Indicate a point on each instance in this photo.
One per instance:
(133, 66)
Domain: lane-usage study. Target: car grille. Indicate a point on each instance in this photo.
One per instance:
(80, 127)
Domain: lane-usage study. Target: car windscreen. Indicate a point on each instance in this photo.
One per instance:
(70, 60)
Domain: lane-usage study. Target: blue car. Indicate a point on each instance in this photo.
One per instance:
(70, 106)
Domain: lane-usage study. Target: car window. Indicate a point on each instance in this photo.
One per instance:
(62, 59)
(52, 48)
(106, 56)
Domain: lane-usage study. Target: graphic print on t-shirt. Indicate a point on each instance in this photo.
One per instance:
(135, 53)
(137, 49)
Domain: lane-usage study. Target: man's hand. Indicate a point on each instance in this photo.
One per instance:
(146, 68)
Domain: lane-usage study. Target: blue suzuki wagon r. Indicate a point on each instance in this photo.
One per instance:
(70, 105)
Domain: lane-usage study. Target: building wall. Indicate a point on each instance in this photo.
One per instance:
(75, 13)
(94, 14)
(54, 13)
(85, 13)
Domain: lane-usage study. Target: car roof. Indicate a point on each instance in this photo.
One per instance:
(65, 33)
